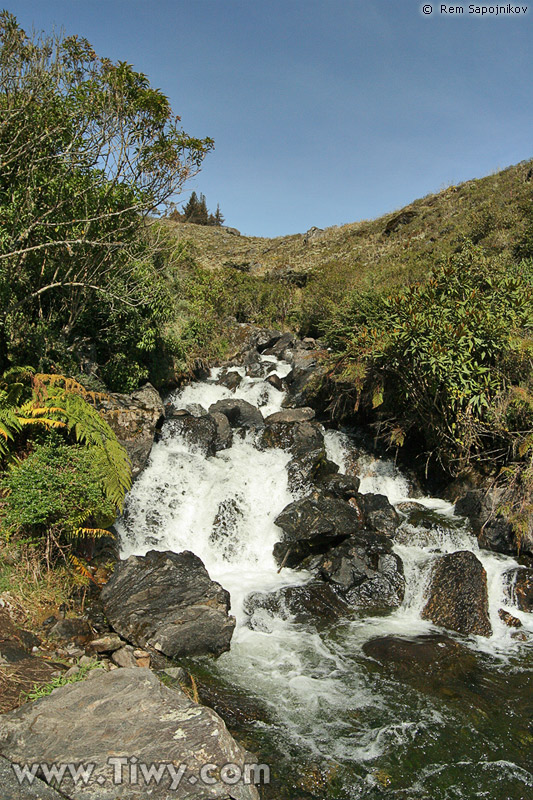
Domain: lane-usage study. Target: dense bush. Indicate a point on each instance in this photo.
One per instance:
(449, 360)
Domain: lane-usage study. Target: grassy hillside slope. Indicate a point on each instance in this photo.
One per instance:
(392, 249)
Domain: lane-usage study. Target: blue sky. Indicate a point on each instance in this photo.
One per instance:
(322, 112)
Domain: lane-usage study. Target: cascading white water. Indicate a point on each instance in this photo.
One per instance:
(223, 509)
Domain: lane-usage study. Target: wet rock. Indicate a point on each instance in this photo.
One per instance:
(312, 525)
(125, 712)
(200, 432)
(71, 630)
(312, 603)
(167, 601)
(518, 584)
(224, 434)
(379, 514)
(298, 437)
(195, 409)
(508, 619)
(344, 487)
(291, 415)
(134, 418)
(422, 656)
(458, 597)
(230, 380)
(304, 470)
(240, 413)
(301, 384)
(279, 348)
(365, 571)
(256, 370)
(225, 532)
(276, 382)
(494, 531)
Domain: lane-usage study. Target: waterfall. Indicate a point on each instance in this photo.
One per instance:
(223, 509)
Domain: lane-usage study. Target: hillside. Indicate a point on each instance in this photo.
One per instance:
(395, 248)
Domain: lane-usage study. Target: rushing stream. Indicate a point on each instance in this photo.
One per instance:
(332, 721)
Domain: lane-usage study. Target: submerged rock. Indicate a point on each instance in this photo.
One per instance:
(168, 601)
(308, 604)
(120, 714)
(422, 656)
(458, 596)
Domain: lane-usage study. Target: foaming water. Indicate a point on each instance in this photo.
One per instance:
(315, 682)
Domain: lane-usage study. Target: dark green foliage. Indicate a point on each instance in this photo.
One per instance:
(55, 490)
(435, 360)
(195, 211)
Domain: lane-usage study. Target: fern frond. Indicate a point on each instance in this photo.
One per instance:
(80, 568)
(94, 533)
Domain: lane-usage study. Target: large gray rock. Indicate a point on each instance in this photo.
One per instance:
(298, 437)
(200, 432)
(313, 603)
(291, 415)
(365, 572)
(168, 601)
(240, 413)
(458, 596)
(134, 418)
(12, 789)
(312, 525)
(125, 713)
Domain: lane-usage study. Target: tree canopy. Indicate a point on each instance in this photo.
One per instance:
(89, 153)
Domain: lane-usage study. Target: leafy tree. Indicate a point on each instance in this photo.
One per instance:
(89, 152)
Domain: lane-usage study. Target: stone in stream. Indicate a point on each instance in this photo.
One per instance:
(291, 415)
(275, 381)
(240, 413)
(298, 437)
(200, 432)
(230, 380)
(224, 434)
(167, 601)
(518, 583)
(343, 487)
(458, 596)
(312, 525)
(379, 514)
(312, 603)
(365, 571)
(118, 715)
(422, 657)
(305, 469)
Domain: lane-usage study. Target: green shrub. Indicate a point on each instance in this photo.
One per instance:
(55, 490)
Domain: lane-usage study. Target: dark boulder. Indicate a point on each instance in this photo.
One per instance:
(494, 531)
(298, 437)
(279, 348)
(224, 434)
(119, 714)
(312, 525)
(256, 370)
(379, 514)
(518, 584)
(508, 619)
(167, 601)
(304, 470)
(344, 487)
(365, 571)
(458, 596)
(300, 385)
(73, 630)
(230, 380)
(291, 415)
(312, 603)
(200, 432)
(275, 381)
(240, 413)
